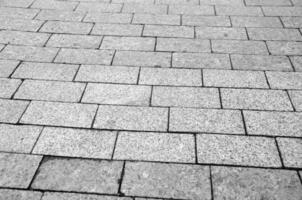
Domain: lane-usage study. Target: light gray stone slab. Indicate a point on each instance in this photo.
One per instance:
(297, 62)
(178, 2)
(240, 47)
(128, 43)
(296, 98)
(183, 45)
(11, 110)
(292, 22)
(66, 27)
(142, 8)
(168, 31)
(117, 29)
(99, 7)
(16, 3)
(7, 67)
(23, 38)
(53, 4)
(118, 18)
(191, 10)
(8, 87)
(268, 2)
(284, 47)
(156, 19)
(60, 15)
(76, 196)
(282, 11)
(291, 151)
(199, 20)
(19, 195)
(19, 24)
(285, 80)
(236, 10)
(220, 33)
(222, 2)
(243, 21)
(274, 34)
(17, 13)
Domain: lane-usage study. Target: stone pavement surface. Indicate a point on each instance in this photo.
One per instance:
(150, 99)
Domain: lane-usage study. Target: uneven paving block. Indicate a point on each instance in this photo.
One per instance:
(234, 78)
(181, 2)
(47, 71)
(292, 22)
(291, 152)
(241, 21)
(285, 80)
(253, 183)
(23, 38)
(143, 59)
(8, 87)
(167, 181)
(76, 196)
(119, 18)
(238, 10)
(134, 1)
(168, 31)
(177, 77)
(156, 19)
(142, 8)
(155, 147)
(18, 138)
(17, 170)
(282, 11)
(79, 175)
(75, 142)
(183, 45)
(192, 20)
(296, 61)
(29, 53)
(132, 118)
(220, 33)
(11, 110)
(284, 48)
(222, 2)
(191, 10)
(259, 62)
(61, 15)
(99, 7)
(128, 43)
(199, 60)
(74, 41)
(296, 98)
(240, 47)
(50, 91)
(273, 123)
(206, 120)
(20, 24)
(66, 27)
(16, 3)
(19, 195)
(274, 34)
(237, 150)
(185, 97)
(18, 13)
(84, 56)
(107, 74)
(54, 4)
(59, 114)
(268, 2)
(7, 67)
(117, 94)
(117, 29)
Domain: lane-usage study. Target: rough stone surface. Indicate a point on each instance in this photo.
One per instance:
(296, 98)
(285, 80)
(8, 87)
(291, 151)
(11, 110)
(7, 67)
(19, 195)
(75, 196)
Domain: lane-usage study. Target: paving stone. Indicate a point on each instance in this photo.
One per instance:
(117, 94)
(220, 33)
(291, 152)
(19, 195)
(184, 2)
(297, 2)
(156, 19)
(292, 22)
(76, 196)
(128, 43)
(142, 8)
(119, 18)
(8, 87)
(155, 147)
(107, 74)
(17, 170)
(74, 41)
(54, 4)
(206, 120)
(241, 21)
(143, 59)
(11, 110)
(191, 10)
(66, 27)
(117, 29)
(253, 183)
(23, 38)
(296, 61)
(222, 2)
(134, 1)
(261, 62)
(168, 31)
(79, 175)
(7, 67)
(240, 47)
(131, 118)
(274, 34)
(167, 181)
(59, 114)
(61, 15)
(273, 123)
(75, 143)
(99, 7)
(268, 2)
(234, 78)
(284, 48)
(296, 98)
(185, 97)
(50, 91)
(183, 45)
(47, 71)
(285, 80)
(199, 60)
(237, 150)
(84, 56)
(28, 53)
(176, 77)
(18, 13)
(282, 11)
(238, 10)
(192, 20)
(16, 3)
(20, 24)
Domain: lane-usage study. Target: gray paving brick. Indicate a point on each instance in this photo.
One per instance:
(128, 43)
(19, 195)
(177, 77)
(117, 94)
(156, 19)
(253, 183)
(191, 10)
(76, 196)
(54, 4)
(117, 29)
(297, 62)
(291, 152)
(23, 38)
(268, 2)
(79, 175)
(66, 27)
(199, 20)
(199, 60)
(167, 180)
(61, 15)
(240, 47)
(20, 24)
(241, 21)
(132, 118)
(232, 78)
(282, 11)
(222, 2)
(284, 47)
(142, 8)
(99, 7)
(59, 114)
(17, 170)
(155, 147)
(169, 31)
(220, 33)
(118, 18)
(274, 34)
(185, 97)
(74, 41)
(181, 2)
(237, 150)
(134, 1)
(17, 3)
(296, 98)
(75, 142)
(84, 56)
(297, 2)
(47, 71)
(273, 123)
(8, 87)
(285, 80)
(206, 120)
(7, 67)
(28, 53)
(11, 110)
(238, 10)
(143, 59)
(18, 13)
(107, 74)
(183, 45)
(292, 22)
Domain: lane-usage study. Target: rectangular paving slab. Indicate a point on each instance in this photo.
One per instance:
(11, 110)
(291, 151)
(19, 194)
